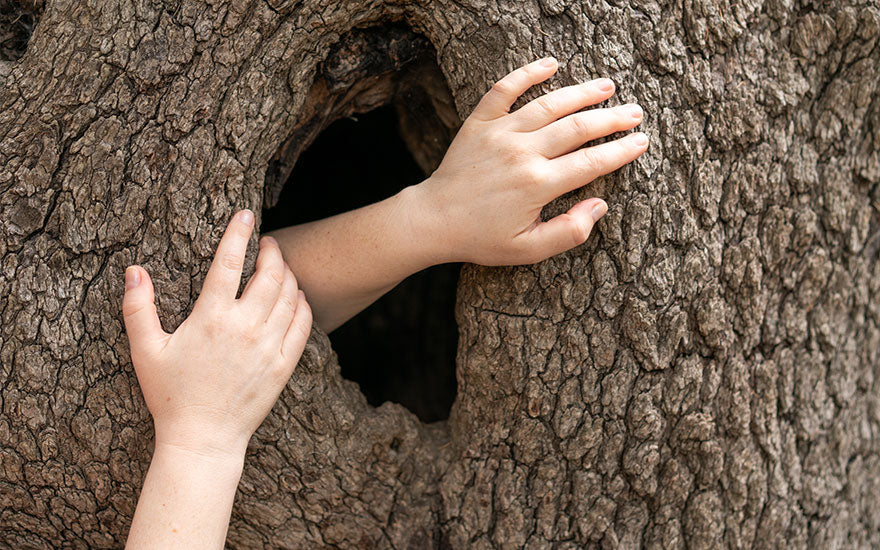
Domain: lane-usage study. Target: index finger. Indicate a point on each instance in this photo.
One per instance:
(504, 93)
(224, 275)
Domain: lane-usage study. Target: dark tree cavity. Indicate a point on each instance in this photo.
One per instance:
(703, 373)
(17, 20)
(402, 348)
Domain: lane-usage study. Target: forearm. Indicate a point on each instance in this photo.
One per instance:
(482, 204)
(186, 500)
(345, 262)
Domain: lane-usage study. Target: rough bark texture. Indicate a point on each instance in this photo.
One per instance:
(703, 372)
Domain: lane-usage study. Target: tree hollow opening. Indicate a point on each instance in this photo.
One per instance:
(18, 18)
(378, 119)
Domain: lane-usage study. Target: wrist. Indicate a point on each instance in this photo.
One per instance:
(424, 225)
(228, 464)
(202, 440)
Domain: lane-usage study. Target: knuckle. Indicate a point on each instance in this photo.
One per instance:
(286, 300)
(275, 275)
(591, 161)
(305, 319)
(536, 174)
(579, 125)
(467, 128)
(546, 105)
(529, 70)
(130, 309)
(495, 138)
(515, 155)
(231, 261)
(503, 87)
(243, 324)
(213, 326)
(250, 334)
(512, 151)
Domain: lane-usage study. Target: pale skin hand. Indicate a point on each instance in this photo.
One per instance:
(482, 204)
(209, 385)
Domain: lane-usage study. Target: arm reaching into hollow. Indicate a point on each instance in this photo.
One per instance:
(482, 204)
(209, 386)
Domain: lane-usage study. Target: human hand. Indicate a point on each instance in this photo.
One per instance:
(211, 383)
(484, 201)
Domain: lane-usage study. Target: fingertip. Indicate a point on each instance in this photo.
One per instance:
(605, 84)
(132, 277)
(591, 209)
(598, 209)
(639, 139)
(548, 62)
(245, 216)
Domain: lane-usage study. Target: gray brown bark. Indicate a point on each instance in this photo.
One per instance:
(703, 372)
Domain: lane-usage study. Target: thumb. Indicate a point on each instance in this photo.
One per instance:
(139, 311)
(568, 230)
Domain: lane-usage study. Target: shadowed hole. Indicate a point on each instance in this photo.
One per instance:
(402, 348)
(17, 22)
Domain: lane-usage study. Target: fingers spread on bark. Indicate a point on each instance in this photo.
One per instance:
(265, 285)
(565, 231)
(285, 306)
(558, 103)
(139, 311)
(580, 167)
(504, 93)
(571, 132)
(224, 275)
(298, 331)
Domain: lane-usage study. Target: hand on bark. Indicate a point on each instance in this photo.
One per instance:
(502, 168)
(211, 383)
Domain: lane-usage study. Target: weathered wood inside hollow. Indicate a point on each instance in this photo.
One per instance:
(366, 69)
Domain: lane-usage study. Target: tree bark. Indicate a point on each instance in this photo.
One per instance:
(705, 371)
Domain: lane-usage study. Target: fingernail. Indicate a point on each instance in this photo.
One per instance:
(599, 210)
(132, 277)
(635, 111)
(605, 84)
(246, 216)
(640, 139)
(270, 240)
(548, 61)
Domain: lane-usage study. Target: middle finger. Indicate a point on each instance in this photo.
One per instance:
(554, 105)
(262, 290)
(569, 133)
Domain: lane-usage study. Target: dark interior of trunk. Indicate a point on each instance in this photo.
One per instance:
(402, 348)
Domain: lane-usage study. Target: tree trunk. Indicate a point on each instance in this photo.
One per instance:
(705, 371)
